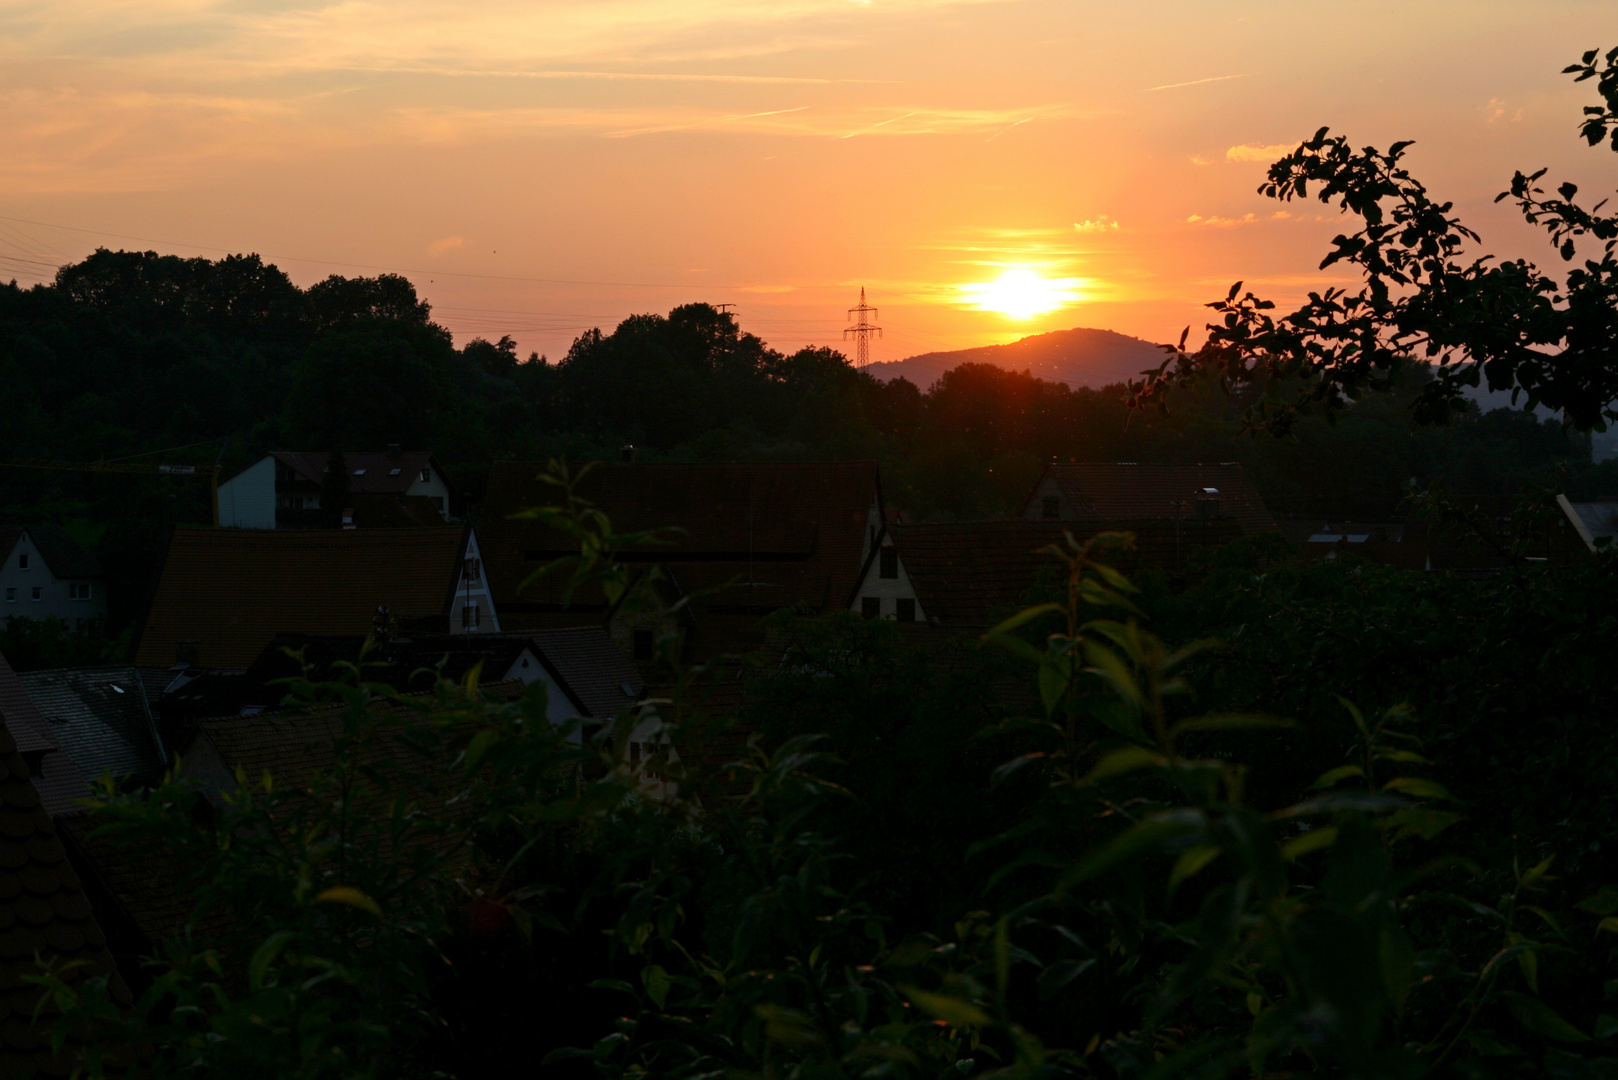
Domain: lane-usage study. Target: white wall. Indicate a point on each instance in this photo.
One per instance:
(1035, 509)
(888, 590)
(432, 488)
(488, 618)
(247, 500)
(55, 601)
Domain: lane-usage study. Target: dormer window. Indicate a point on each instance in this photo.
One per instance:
(359, 472)
(395, 472)
(426, 474)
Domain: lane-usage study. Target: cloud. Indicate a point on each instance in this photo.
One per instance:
(1216, 222)
(1265, 154)
(1200, 161)
(1101, 224)
(438, 247)
(1496, 111)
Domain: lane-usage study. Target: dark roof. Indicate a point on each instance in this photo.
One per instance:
(586, 661)
(966, 573)
(59, 781)
(62, 554)
(764, 535)
(369, 473)
(232, 590)
(43, 907)
(1135, 492)
(101, 717)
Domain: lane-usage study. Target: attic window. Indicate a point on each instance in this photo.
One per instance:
(1210, 491)
(22, 561)
(395, 472)
(426, 474)
(359, 472)
(1050, 507)
(889, 563)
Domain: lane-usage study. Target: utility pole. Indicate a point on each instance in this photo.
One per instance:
(862, 330)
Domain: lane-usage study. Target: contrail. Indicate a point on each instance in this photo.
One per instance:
(1197, 82)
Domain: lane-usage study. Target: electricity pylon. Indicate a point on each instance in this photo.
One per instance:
(862, 330)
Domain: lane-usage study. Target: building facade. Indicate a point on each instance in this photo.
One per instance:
(47, 575)
(284, 490)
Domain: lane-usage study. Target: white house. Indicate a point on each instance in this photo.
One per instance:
(282, 490)
(47, 575)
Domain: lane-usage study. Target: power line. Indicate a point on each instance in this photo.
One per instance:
(862, 331)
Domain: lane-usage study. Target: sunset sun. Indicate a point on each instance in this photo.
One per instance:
(1021, 293)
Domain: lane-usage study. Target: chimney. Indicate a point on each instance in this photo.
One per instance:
(628, 452)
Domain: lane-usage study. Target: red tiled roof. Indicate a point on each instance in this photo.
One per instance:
(43, 909)
(383, 474)
(61, 785)
(764, 535)
(232, 590)
(966, 573)
(1120, 492)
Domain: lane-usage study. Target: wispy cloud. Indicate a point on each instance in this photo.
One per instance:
(448, 243)
(1102, 224)
(1217, 222)
(1265, 154)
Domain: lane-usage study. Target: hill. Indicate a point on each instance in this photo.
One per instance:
(1079, 357)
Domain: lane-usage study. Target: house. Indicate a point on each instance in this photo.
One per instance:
(585, 673)
(102, 719)
(1594, 522)
(969, 574)
(45, 910)
(58, 780)
(47, 575)
(1128, 491)
(745, 540)
(282, 490)
(225, 593)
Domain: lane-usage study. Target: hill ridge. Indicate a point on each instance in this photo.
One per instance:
(1079, 357)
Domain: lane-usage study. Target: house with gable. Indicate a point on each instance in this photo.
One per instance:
(1130, 491)
(283, 490)
(741, 540)
(969, 574)
(47, 575)
(225, 593)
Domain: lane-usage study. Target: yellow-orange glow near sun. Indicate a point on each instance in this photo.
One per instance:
(1021, 293)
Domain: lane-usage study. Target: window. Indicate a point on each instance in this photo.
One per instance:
(474, 570)
(469, 615)
(426, 474)
(22, 561)
(359, 472)
(78, 590)
(395, 472)
(904, 610)
(888, 558)
(39, 593)
(1050, 506)
(643, 644)
(11, 596)
(871, 607)
(438, 504)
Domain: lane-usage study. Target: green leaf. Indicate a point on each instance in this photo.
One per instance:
(1053, 979)
(1354, 711)
(951, 1010)
(1418, 788)
(1027, 615)
(657, 983)
(1609, 923)
(1110, 666)
(264, 956)
(1409, 757)
(1143, 836)
(1606, 1026)
(1191, 862)
(1422, 821)
(1229, 722)
(1055, 677)
(479, 748)
(613, 984)
(343, 894)
(1313, 840)
(1333, 777)
(1541, 1019)
(1602, 902)
(1123, 760)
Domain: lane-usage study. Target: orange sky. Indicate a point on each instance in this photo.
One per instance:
(545, 166)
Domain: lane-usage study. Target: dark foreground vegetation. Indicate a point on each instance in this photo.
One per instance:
(1334, 820)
